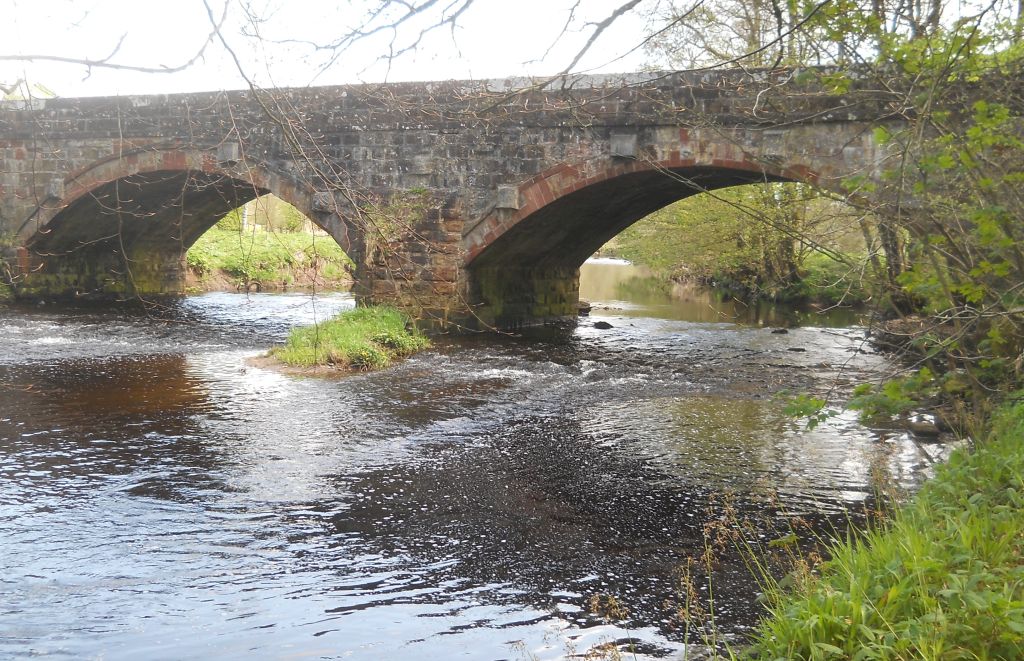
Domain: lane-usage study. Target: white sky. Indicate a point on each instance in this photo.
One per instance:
(495, 39)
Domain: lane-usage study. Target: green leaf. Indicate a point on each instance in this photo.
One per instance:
(831, 649)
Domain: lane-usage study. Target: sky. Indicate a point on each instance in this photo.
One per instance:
(493, 39)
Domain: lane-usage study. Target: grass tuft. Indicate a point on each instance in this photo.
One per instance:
(366, 338)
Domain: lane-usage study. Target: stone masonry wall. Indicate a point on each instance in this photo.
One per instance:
(489, 155)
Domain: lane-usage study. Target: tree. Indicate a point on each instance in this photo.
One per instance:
(747, 33)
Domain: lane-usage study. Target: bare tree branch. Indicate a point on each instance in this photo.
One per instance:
(599, 29)
(106, 63)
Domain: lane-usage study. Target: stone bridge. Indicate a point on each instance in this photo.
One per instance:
(470, 203)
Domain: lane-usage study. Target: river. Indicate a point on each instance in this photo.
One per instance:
(160, 499)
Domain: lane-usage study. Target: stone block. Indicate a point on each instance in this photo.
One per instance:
(624, 145)
(229, 153)
(507, 198)
(323, 201)
(55, 189)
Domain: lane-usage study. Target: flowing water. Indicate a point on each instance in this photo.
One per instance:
(161, 499)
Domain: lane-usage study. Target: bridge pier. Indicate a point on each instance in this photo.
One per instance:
(510, 298)
(411, 257)
(413, 260)
(99, 275)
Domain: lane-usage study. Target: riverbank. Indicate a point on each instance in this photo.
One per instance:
(228, 260)
(942, 579)
(733, 242)
(362, 339)
(822, 281)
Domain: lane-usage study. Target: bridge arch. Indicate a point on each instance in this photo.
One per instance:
(121, 225)
(522, 264)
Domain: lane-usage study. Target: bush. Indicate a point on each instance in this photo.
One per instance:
(895, 397)
(200, 262)
(232, 222)
(733, 240)
(830, 282)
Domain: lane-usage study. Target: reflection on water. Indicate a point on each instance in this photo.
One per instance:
(161, 499)
(633, 290)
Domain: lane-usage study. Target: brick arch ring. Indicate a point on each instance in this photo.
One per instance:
(565, 179)
(76, 185)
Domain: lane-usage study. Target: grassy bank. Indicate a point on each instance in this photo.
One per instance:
(944, 579)
(268, 259)
(361, 339)
(820, 279)
(733, 242)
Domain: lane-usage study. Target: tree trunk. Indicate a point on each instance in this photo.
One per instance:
(895, 265)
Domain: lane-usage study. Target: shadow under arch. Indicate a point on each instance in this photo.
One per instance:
(122, 227)
(523, 264)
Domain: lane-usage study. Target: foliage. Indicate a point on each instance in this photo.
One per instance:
(942, 579)
(965, 156)
(268, 212)
(827, 280)
(747, 31)
(946, 206)
(25, 91)
(895, 397)
(232, 222)
(257, 256)
(366, 338)
(812, 409)
(780, 242)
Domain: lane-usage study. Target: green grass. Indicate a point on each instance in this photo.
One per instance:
(943, 579)
(366, 338)
(266, 257)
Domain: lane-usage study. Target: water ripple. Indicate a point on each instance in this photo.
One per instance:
(160, 498)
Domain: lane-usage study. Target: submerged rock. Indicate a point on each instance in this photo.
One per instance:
(924, 428)
(602, 325)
